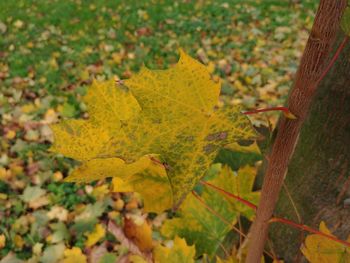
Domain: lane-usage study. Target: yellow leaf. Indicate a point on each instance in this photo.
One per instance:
(172, 113)
(180, 252)
(152, 183)
(136, 259)
(100, 191)
(140, 233)
(95, 236)
(181, 121)
(74, 255)
(80, 139)
(319, 249)
(18, 241)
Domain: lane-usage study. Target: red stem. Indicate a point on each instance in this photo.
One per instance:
(243, 201)
(308, 229)
(284, 109)
(277, 219)
(334, 58)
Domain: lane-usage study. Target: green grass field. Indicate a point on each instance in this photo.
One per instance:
(51, 50)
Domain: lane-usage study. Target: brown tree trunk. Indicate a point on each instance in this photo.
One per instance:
(318, 177)
(312, 66)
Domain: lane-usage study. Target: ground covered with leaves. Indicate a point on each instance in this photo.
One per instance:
(50, 51)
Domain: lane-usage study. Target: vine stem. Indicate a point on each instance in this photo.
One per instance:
(276, 219)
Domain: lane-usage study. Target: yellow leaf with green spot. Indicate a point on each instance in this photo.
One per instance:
(172, 113)
(322, 250)
(179, 252)
(180, 121)
(199, 226)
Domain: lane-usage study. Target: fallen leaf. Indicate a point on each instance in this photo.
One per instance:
(139, 233)
(179, 252)
(95, 236)
(74, 255)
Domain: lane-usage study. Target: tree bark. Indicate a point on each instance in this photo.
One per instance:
(318, 177)
(312, 66)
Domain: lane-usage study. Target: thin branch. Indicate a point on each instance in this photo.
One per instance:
(308, 229)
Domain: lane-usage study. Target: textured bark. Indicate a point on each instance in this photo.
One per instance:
(313, 64)
(318, 177)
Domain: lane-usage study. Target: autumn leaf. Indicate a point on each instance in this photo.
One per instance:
(140, 233)
(96, 235)
(198, 225)
(172, 113)
(179, 252)
(319, 249)
(183, 123)
(74, 255)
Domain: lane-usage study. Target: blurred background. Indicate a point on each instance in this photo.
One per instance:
(51, 50)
